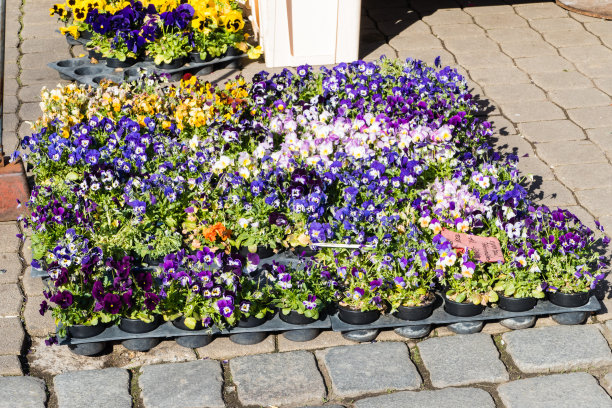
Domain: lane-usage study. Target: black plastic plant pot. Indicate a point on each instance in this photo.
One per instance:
(195, 57)
(174, 64)
(115, 63)
(232, 52)
(79, 331)
(350, 316)
(294, 317)
(462, 309)
(180, 324)
(512, 304)
(569, 299)
(302, 334)
(262, 251)
(138, 326)
(145, 344)
(305, 251)
(95, 54)
(413, 313)
(248, 338)
(253, 321)
(193, 341)
(88, 349)
(86, 35)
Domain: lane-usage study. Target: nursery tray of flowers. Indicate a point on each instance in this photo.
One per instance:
(440, 316)
(85, 72)
(168, 330)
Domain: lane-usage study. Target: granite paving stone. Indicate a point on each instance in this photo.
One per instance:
(222, 348)
(37, 325)
(471, 59)
(57, 360)
(586, 53)
(532, 111)
(597, 201)
(93, 389)
(10, 300)
(483, 44)
(278, 379)
(602, 137)
(415, 42)
(551, 131)
(525, 49)
(10, 268)
(555, 24)
(22, 392)
(540, 11)
(167, 351)
(592, 117)
(601, 28)
(577, 98)
(378, 367)
(513, 144)
(484, 7)
(555, 391)
(10, 365)
(12, 335)
(452, 30)
(8, 232)
(502, 126)
(545, 63)
(561, 39)
(32, 286)
(447, 397)
(506, 35)
(190, 384)
(570, 152)
(514, 92)
(477, 361)
(553, 194)
(606, 382)
(323, 340)
(448, 16)
(502, 20)
(585, 176)
(557, 348)
(596, 69)
(491, 76)
(604, 84)
(535, 167)
(561, 80)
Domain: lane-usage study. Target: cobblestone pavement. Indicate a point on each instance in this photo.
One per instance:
(543, 77)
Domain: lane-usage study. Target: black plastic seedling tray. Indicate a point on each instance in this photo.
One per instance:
(84, 71)
(167, 330)
(440, 316)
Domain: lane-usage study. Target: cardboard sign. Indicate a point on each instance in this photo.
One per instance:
(486, 249)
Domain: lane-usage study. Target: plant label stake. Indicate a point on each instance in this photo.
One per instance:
(13, 182)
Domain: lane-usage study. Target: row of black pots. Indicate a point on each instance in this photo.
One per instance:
(174, 64)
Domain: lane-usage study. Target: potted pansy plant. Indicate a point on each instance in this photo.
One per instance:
(199, 291)
(361, 284)
(302, 295)
(468, 283)
(410, 281)
(571, 265)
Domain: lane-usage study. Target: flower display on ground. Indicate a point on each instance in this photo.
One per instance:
(385, 156)
(159, 29)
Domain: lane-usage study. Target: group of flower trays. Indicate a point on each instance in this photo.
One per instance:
(169, 33)
(386, 155)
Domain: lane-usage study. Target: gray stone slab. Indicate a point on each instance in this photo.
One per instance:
(10, 267)
(557, 348)
(462, 360)
(381, 367)
(22, 392)
(12, 335)
(191, 384)
(606, 381)
(10, 300)
(105, 388)
(555, 391)
(278, 379)
(10, 365)
(8, 231)
(448, 397)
